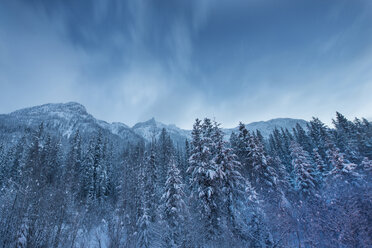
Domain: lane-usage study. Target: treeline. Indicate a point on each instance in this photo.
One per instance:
(306, 187)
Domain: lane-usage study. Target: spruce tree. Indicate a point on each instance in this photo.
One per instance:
(205, 176)
(320, 167)
(262, 176)
(340, 166)
(74, 165)
(304, 175)
(173, 207)
(144, 219)
(164, 153)
(151, 183)
(237, 194)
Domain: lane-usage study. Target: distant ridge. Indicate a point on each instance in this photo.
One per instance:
(67, 118)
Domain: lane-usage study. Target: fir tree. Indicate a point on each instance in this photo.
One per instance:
(74, 165)
(320, 167)
(262, 176)
(144, 225)
(304, 175)
(164, 154)
(340, 166)
(174, 207)
(302, 138)
(367, 165)
(205, 177)
(237, 194)
(151, 184)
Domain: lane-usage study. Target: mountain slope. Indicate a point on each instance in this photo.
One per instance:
(152, 128)
(267, 127)
(66, 118)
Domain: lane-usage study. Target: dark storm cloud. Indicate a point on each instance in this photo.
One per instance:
(177, 60)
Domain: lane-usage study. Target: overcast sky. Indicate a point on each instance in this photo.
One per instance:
(176, 60)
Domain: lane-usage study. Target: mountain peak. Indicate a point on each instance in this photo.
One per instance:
(70, 107)
(75, 106)
(151, 122)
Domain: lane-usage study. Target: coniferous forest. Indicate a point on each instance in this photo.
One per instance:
(306, 187)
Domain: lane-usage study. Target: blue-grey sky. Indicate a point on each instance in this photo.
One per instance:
(177, 60)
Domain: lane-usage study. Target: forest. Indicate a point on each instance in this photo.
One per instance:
(306, 187)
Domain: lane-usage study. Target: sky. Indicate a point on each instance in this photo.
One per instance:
(177, 60)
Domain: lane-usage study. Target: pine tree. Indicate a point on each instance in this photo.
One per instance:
(304, 175)
(345, 137)
(259, 236)
(319, 136)
(340, 166)
(364, 136)
(164, 153)
(174, 207)
(205, 177)
(86, 172)
(144, 234)
(50, 161)
(320, 167)
(96, 169)
(240, 144)
(367, 165)
(262, 175)
(18, 160)
(237, 193)
(74, 165)
(151, 184)
(2, 165)
(302, 138)
(144, 225)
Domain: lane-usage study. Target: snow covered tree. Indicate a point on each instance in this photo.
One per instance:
(205, 176)
(279, 142)
(345, 136)
(263, 176)
(302, 138)
(338, 162)
(2, 165)
(174, 207)
(367, 165)
(164, 153)
(237, 194)
(95, 168)
(320, 167)
(318, 133)
(151, 183)
(144, 225)
(304, 175)
(73, 165)
(259, 235)
(145, 233)
(240, 145)
(252, 156)
(143, 230)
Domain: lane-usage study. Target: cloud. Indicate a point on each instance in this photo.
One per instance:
(176, 61)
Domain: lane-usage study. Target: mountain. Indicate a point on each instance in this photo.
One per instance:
(153, 128)
(66, 118)
(267, 127)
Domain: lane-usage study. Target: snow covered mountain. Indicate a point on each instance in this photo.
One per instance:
(63, 119)
(67, 118)
(267, 127)
(153, 128)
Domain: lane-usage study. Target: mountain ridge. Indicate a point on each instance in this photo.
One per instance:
(70, 116)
